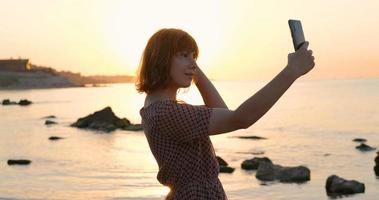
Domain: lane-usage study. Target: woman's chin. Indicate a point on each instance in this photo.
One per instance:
(185, 85)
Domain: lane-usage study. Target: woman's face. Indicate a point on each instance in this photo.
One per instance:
(183, 67)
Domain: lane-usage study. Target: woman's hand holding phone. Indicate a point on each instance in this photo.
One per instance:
(301, 61)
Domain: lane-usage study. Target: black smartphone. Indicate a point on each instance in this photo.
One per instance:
(296, 33)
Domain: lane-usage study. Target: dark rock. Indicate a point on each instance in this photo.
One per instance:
(364, 147)
(55, 138)
(122, 123)
(253, 164)
(226, 169)
(133, 127)
(24, 102)
(19, 162)
(8, 102)
(221, 161)
(103, 126)
(251, 137)
(295, 174)
(267, 172)
(336, 186)
(49, 122)
(359, 140)
(376, 167)
(258, 152)
(105, 120)
(49, 117)
(270, 172)
(376, 170)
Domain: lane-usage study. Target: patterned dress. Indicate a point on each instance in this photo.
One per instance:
(178, 137)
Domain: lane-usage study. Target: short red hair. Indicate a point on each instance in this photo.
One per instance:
(154, 69)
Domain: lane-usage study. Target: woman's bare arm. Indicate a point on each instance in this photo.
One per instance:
(257, 105)
(208, 91)
(224, 120)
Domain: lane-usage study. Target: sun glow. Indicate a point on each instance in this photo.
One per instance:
(127, 27)
(238, 40)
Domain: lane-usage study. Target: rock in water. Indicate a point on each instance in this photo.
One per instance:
(50, 122)
(132, 127)
(253, 137)
(24, 102)
(253, 164)
(19, 162)
(8, 102)
(270, 172)
(49, 117)
(336, 186)
(55, 138)
(359, 140)
(376, 167)
(364, 147)
(105, 120)
(224, 168)
(221, 161)
(376, 170)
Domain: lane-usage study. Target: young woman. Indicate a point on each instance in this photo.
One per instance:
(178, 133)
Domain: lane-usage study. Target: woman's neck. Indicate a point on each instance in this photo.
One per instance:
(163, 94)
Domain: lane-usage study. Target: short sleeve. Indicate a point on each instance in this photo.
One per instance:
(185, 122)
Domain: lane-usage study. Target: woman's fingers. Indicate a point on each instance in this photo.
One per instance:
(304, 46)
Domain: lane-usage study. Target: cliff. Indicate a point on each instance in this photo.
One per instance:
(47, 77)
(33, 79)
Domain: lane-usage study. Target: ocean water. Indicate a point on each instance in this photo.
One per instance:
(313, 124)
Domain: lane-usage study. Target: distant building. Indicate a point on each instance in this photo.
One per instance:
(15, 65)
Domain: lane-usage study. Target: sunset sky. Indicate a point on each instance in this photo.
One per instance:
(238, 40)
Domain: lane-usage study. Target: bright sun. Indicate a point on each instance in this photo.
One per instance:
(127, 29)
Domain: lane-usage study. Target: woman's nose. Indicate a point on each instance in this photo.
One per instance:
(193, 64)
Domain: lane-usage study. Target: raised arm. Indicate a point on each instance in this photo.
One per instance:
(208, 91)
(223, 120)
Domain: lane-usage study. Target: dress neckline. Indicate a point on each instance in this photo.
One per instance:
(157, 102)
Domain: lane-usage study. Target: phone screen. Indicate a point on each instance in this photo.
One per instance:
(296, 33)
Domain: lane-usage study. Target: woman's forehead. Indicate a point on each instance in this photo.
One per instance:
(186, 51)
(187, 44)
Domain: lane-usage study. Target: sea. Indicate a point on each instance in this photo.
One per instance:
(313, 124)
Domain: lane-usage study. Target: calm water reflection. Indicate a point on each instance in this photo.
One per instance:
(312, 119)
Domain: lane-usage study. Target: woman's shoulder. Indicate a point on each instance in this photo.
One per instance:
(159, 104)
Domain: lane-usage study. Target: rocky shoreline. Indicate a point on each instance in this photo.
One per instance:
(105, 121)
(267, 171)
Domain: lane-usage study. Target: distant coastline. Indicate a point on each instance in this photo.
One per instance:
(21, 74)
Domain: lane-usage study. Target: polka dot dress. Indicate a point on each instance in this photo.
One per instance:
(178, 137)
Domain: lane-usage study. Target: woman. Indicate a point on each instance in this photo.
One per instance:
(178, 133)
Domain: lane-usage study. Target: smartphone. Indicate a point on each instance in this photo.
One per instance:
(296, 33)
